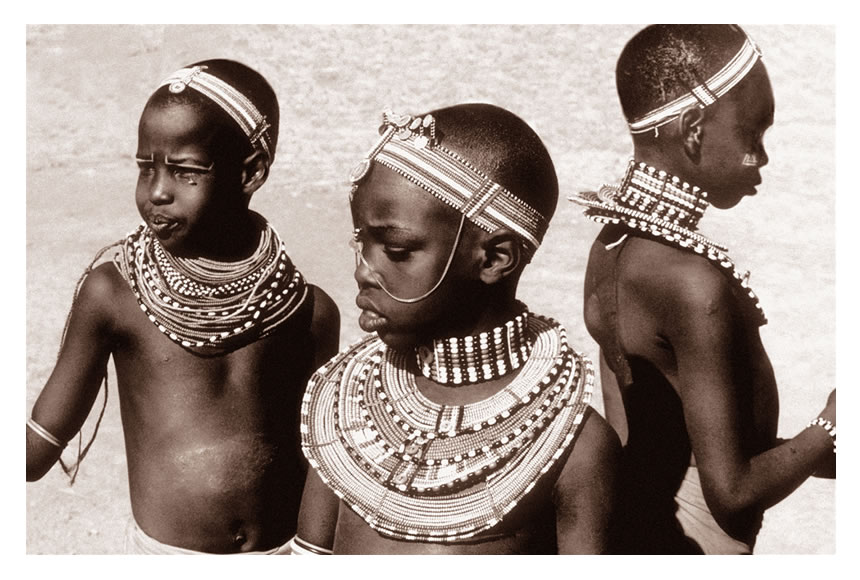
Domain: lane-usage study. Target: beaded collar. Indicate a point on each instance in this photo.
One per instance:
(201, 303)
(473, 359)
(667, 208)
(418, 470)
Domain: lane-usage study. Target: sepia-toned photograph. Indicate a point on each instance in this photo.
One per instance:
(313, 289)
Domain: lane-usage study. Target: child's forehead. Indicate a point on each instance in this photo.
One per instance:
(387, 198)
(754, 100)
(178, 121)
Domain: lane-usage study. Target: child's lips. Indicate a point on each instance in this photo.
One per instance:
(370, 320)
(162, 224)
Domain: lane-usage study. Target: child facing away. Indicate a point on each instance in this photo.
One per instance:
(213, 331)
(686, 380)
(461, 424)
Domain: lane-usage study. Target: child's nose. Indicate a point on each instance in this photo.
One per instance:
(763, 158)
(159, 191)
(363, 274)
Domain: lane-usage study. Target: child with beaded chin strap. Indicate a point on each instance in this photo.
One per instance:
(213, 331)
(686, 380)
(461, 424)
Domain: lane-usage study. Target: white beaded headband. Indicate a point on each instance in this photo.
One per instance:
(252, 122)
(706, 93)
(406, 149)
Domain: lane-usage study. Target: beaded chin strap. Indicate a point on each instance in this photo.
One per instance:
(409, 146)
(704, 94)
(240, 108)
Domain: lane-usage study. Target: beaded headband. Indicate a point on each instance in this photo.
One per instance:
(706, 93)
(252, 122)
(408, 146)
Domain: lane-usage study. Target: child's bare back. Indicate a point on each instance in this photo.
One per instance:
(687, 383)
(655, 414)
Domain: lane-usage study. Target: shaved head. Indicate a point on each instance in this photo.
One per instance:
(505, 148)
(665, 61)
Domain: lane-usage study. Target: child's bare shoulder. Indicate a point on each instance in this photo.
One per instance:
(325, 312)
(597, 444)
(592, 462)
(676, 278)
(102, 287)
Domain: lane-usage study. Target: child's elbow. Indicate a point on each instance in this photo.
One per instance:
(40, 459)
(37, 470)
(728, 505)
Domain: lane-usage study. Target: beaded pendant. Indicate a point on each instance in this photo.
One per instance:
(418, 470)
(664, 207)
(200, 303)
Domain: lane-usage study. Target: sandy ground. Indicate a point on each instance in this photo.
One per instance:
(86, 86)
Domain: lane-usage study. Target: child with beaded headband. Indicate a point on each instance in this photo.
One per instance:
(214, 332)
(461, 424)
(686, 380)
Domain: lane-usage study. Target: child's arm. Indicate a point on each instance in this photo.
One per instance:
(66, 400)
(706, 333)
(318, 513)
(585, 489)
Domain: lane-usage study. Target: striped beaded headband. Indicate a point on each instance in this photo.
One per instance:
(240, 108)
(408, 146)
(704, 94)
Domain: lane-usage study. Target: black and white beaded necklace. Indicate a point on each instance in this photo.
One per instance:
(665, 207)
(201, 303)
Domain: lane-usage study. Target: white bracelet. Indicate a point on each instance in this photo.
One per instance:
(44, 434)
(828, 426)
(300, 547)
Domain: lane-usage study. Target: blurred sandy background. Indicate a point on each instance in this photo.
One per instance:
(86, 86)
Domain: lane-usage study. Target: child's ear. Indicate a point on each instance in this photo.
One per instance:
(692, 120)
(255, 171)
(502, 255)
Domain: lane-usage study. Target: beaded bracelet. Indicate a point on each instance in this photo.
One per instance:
(828, 426)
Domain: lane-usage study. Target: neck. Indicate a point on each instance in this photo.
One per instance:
(500, 344)
(654, 190)
(227, 242)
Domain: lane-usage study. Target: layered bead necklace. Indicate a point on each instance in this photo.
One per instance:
(204, 303)
(665, 207)
(418, 470)
(472, 359)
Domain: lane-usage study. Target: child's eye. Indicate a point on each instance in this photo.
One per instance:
(397, 253)
(186, 174)
(145, 168)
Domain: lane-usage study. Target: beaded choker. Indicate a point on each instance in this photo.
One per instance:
(664, 207)
(418, 470)
(208, 304)
(473, 359)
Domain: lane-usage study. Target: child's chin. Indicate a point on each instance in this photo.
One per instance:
(398, 341)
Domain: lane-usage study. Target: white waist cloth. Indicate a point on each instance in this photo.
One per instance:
(138, 542)
(698, 523)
